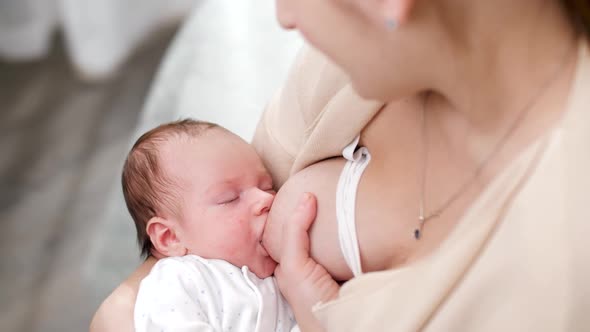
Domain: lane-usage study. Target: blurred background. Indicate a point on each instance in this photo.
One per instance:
(79, 82)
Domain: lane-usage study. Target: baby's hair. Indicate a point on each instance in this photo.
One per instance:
(147, 190)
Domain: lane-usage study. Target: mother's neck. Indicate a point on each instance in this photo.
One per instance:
(501, 53)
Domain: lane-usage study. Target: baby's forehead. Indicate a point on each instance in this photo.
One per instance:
(183, 152)
(176, 145)
(177, 148)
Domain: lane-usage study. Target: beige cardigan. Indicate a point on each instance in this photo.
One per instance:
(519, 260)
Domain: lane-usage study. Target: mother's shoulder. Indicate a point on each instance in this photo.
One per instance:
(313, 116)
(312, 82)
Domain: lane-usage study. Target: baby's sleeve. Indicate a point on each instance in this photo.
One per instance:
(167, 301)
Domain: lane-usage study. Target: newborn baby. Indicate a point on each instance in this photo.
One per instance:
(200, 196)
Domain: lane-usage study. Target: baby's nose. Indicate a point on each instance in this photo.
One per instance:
(263, 202)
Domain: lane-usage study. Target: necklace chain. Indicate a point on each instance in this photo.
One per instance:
(422, 216)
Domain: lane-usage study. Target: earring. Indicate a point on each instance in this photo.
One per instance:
(391, 23)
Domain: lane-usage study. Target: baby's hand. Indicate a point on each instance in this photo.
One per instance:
(301, 279)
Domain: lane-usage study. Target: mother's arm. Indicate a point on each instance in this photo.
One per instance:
(115, 314)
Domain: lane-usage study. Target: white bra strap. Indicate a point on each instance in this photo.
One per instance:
(348, 151)
(346, 204)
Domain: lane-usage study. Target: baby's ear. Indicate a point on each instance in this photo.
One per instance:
(163, 235)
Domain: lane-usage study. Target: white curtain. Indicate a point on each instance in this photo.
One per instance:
(99, 34)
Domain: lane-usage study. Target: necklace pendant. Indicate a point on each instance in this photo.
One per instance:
(418, 231)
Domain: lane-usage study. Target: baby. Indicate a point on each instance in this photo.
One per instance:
(199, 196)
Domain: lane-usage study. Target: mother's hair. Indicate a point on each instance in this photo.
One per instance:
(579, 14)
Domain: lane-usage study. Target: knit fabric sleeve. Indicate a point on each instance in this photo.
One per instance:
(293, 112)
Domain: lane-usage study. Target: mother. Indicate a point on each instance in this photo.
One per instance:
(476, 115)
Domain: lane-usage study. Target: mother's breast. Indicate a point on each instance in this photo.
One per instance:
(381, 239)
(321, 179)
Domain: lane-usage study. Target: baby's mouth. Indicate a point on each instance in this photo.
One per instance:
(263, 248)
(261, 237)
(263, 233)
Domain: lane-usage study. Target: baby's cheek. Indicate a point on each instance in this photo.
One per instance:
(237, 235)
(230, 245)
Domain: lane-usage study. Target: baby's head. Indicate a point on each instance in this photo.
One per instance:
(193, 187)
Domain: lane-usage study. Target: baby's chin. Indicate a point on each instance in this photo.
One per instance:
(265, 268)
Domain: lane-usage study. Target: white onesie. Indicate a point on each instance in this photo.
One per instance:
(191, 293)
(357, 161)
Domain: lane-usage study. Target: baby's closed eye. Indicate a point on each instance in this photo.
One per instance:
(227, 198)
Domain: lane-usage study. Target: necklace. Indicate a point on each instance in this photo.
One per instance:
(422, 216)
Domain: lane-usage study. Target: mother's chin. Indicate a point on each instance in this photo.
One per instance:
(320, 179)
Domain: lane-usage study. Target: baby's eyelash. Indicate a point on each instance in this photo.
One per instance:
(230, 200)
